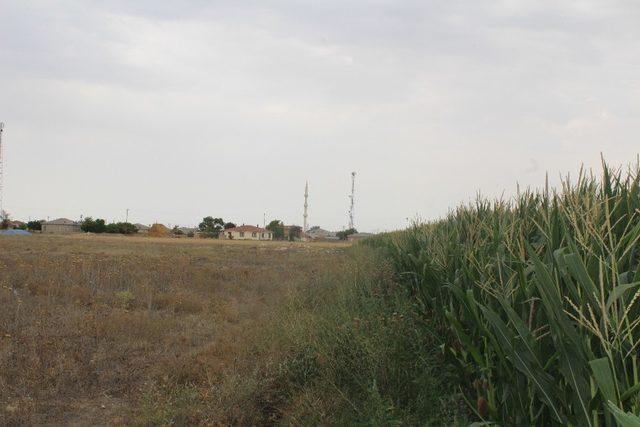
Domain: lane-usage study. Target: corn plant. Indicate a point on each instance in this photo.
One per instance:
(540, 299)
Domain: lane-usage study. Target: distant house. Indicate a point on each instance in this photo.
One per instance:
(295, 230)
(142, 229)
(246, 232)
(61, 226)
(15, 224)
(358, 236)
(186, 231)
(317, 233)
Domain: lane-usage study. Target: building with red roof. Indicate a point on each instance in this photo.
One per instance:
(246, 232)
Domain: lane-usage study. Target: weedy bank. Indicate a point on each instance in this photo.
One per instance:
(538, 298)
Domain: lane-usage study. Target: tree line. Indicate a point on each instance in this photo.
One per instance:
(209, 227)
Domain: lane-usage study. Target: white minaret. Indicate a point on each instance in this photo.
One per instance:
(305, 225)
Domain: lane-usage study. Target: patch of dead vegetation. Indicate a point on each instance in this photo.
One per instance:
(100, 330)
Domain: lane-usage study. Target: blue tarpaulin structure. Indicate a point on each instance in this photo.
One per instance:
(14, 233)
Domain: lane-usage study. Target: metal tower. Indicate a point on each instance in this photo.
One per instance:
(305, 224)
(352, 197)
(1, 171)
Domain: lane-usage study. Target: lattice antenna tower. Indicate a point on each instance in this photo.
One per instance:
(305, 224)
(352, 198)
(1, 167)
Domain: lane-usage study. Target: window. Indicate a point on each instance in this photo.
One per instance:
(242, 234)
(253, 234)
(263, 235)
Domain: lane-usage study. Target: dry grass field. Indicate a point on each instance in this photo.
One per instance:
(103, 330)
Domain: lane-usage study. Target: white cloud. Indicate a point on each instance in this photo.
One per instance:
(227, 108)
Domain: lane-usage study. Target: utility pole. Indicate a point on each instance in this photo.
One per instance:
(127, 216)
(352, 197)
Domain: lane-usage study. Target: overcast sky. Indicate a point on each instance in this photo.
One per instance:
(178, 110)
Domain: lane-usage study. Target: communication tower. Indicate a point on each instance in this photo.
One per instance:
(305, 224)
(1, 168)
(352, 197)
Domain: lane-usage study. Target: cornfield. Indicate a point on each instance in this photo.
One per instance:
(538, 299)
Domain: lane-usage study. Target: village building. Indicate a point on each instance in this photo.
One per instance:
(293, 232)
(189, 231)
(61, 226)
(246, 232)
(317, 233)
(358, 236)
(142, 229)
(15, 224)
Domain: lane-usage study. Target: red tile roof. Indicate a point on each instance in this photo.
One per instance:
(249, 229)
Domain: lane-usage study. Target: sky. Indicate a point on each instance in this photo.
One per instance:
(177, 110)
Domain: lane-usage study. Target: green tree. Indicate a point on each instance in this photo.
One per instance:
(342, 235)
(4, 220)
(229, 225)
(295, 232)
(211, 226)
(176, 231)
(90, 225)
(121, 227)
(34, 225)
(277, 228)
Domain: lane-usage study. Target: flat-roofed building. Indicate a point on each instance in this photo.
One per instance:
(61, 226)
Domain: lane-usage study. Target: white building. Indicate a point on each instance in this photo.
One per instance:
(317, 233)
(246, 232)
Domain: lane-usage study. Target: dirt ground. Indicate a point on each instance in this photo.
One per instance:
(113, 330)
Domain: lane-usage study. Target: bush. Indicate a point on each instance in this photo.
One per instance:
(121, 227)
(342, 235)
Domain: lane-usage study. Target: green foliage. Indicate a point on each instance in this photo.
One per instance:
(89, 225)
(229, 225)
(295, 233)
(537, 298)
(342, 235)
(361, 355)
(5, 217)
(277, 228)
(211, 226)
(34, 225)
(120, 228)
(125, 299)
(174, 407)
(176, 231)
